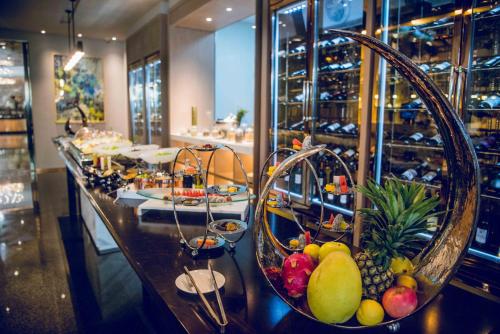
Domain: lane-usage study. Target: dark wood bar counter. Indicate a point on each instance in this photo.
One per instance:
(152, 248)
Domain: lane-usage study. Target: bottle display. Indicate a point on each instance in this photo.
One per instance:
(136, 96)
(153, 100)
(482, 120)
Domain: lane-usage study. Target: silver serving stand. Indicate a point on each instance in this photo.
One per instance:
(291, 162)
(437, 263)
(231, 237)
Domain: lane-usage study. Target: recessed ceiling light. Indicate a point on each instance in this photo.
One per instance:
(3, 47)
(113, 38)
(8, 58)
(254, 27)
(43, 32)
(229, 9)
(80, 35)
(208, 19)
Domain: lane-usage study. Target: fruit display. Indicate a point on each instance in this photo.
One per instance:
(372, 283)
(336, 224)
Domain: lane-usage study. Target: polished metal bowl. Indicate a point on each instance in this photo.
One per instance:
(436, 264)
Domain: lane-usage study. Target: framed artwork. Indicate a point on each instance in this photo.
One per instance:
(82, 86)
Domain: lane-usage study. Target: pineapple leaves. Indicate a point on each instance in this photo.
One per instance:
(401, 211)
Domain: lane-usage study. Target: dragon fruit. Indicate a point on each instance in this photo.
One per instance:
(297, 269)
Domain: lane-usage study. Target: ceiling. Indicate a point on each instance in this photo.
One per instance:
(100, 19)
(216, 9)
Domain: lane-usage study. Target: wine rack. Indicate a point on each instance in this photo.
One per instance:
(136, 100)
(318, 79)
(482, 119)
(153, 100)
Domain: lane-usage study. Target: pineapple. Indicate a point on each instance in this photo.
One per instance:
(390, 230)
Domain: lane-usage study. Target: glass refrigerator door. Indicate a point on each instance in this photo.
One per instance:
(136, 96)
(408, 144)
(289, 77)
(482, 119)
(337, 90)
(153, 101)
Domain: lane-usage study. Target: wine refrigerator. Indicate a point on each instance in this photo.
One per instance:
(318, 79)
(145, 101)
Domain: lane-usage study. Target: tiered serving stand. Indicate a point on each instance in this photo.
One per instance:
(212, 226)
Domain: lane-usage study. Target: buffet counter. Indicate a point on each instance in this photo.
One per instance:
(152, 248)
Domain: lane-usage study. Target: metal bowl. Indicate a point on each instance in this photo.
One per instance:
(436, 264)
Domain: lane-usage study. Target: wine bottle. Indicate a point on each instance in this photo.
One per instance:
(415, 104)
(414, 138)
(409, 174)
(349, 154)
(297, 179)
(435, 140)
(346, 66)
(492, 62)
(338, 150)
(321, 175)
(431, 175)
(486, 143)
(325, 96)
(332, 128)
(349, 128)
(425, 68)
(492, 102)
(482, 229)
(322, 126)
(297, 126)
(298, 72)
(495, 184)
(441, 67)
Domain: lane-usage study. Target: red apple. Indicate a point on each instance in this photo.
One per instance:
(399, 301)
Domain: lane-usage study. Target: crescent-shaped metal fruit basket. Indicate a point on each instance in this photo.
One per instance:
(436, 264)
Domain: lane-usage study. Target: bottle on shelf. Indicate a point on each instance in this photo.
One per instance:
(297, 179)
(298, 73)
(350, 128)
(483, 227)
(297, 126)
(333, 128)
(415, 104)
(412, 139)
(435, 140)
(338, 150)
(491, 102)
(431, 176)
(486, 143)
(441, 67)
(491, 62)
(412, 173)
(322, 126)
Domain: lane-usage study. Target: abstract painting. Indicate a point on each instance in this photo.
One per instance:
(82, 86)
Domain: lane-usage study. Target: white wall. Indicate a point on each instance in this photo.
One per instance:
(191, 77)
(234, 69)
(42, 51)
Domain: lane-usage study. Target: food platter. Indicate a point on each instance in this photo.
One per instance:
(159, 156)
(212, 242)
(206, 147)
(134, 152)
(227, 190)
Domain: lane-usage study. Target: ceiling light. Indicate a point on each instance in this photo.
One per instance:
(43, 32)
(229, 9)
(3, 47)
(113, 38)
(75, 58)
(254, 27)
(80, 35)
(8, 58)
(208, 19)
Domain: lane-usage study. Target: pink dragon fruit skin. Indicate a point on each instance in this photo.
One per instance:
(297, 268)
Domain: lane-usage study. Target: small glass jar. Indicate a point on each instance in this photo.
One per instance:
(249, 134)
(239, 135)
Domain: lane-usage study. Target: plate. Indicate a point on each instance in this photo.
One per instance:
(219, 242)
(223, 189)
(203, 280)
(160, 156)
(206, 149)
(217, 226)
(134, 152)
